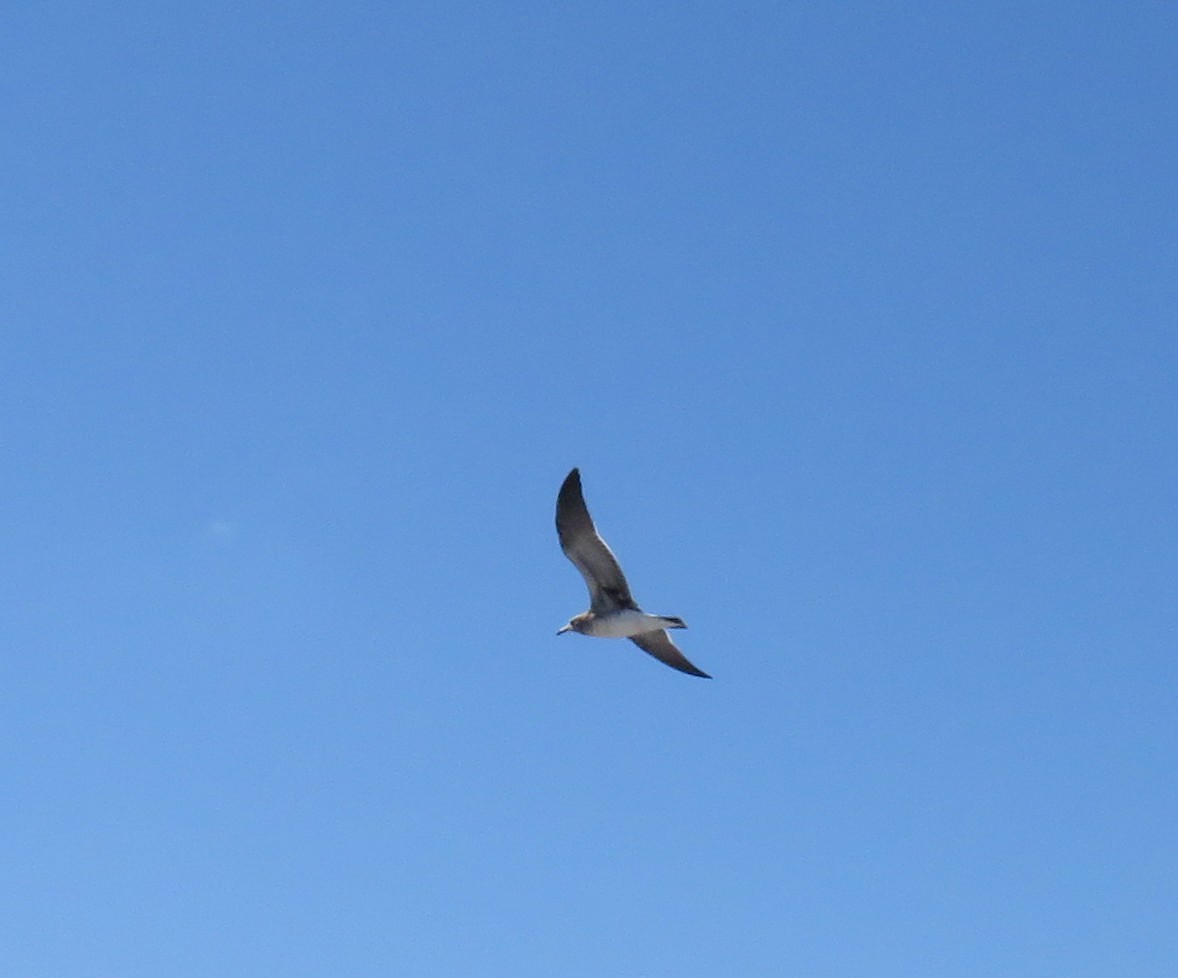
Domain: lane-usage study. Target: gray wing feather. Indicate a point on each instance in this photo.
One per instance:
(659, 645)
(581, 543)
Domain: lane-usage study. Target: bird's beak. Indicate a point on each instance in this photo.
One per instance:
(567, 628)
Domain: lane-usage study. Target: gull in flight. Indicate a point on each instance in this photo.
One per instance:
(612, 611)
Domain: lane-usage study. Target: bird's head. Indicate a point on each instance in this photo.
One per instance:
(577, 624)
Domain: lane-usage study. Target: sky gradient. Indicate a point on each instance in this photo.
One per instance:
(861, 323)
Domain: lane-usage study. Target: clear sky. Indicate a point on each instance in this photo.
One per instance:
(861, 322)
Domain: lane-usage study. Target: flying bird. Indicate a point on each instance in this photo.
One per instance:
(612, 611)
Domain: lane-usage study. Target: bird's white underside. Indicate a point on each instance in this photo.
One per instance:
(624, 624)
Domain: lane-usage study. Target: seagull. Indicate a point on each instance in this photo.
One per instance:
(612, 612)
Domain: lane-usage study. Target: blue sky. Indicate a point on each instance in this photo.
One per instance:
(860, 321)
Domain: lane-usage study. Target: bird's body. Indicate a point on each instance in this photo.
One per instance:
(612, 612)
(623, 623)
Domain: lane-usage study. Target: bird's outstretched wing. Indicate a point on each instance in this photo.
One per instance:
(659, 645)
(608, 590)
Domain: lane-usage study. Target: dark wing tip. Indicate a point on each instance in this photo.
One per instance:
(570, 502)
(659, 645)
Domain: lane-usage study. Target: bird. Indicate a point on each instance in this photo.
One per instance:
(612, 612)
